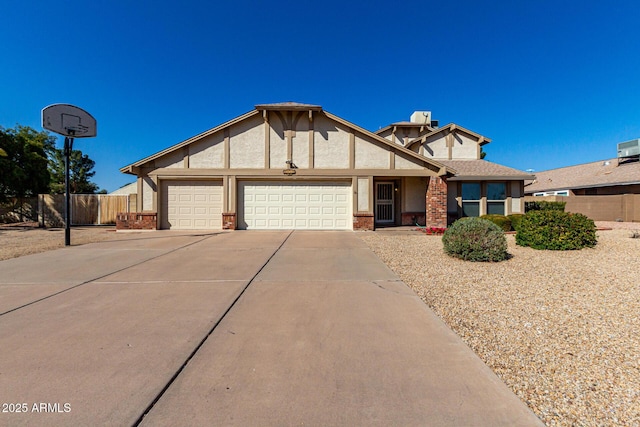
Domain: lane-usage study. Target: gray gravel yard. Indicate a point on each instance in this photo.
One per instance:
(562, 329)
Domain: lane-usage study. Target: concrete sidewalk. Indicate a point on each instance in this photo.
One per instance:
(236, 328)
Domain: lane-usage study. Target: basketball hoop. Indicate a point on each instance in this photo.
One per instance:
(71, 122)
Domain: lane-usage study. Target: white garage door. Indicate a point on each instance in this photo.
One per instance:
(192, 205)
(294, 205)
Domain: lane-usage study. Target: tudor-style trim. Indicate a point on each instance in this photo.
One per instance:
(267, 140)
(433, 164)
(311, 140)
(176, 173)
(451, 127)
(227, 149)
(352, 150)
(429, 163)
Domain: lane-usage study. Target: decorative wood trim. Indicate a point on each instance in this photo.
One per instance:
(233, 194)
(225, 194)
(449, 139)
(352, 150)
(213, 174)
(392, 159)
(311, 140)
(267, 140)
(354, 194)
(185, 152)
(371, 194)
(227, 151)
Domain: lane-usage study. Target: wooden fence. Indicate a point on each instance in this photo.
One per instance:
(620, 207)
(86, 209)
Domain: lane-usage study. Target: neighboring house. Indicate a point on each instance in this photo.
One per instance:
(126, 189)
(297, 166)
(604, 177)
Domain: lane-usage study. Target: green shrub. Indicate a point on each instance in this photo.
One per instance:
(515, 220)
(475, 239)
(499, 220)
(544, 206)
(556, 230)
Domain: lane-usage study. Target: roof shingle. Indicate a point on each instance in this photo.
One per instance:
(596, 174)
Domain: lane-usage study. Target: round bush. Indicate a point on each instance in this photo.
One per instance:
(515, 220)
(556, 230)
(475, 239)
(499, 220)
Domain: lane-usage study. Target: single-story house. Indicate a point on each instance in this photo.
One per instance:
(604, 177)
(297, 166)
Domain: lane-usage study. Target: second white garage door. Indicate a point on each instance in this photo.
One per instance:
(294, 205)
(192, 205)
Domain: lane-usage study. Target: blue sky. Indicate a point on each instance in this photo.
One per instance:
(551, 83)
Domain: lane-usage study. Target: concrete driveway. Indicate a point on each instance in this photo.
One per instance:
(232, 328)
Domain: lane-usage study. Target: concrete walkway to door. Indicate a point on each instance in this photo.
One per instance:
(233, 328)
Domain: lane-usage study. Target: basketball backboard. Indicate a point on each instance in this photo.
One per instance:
(68, 120)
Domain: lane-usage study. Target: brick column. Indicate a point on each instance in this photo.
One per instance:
(436, 212)
(229, 221)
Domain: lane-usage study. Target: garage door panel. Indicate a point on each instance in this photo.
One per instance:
(192, 205)
(294, 205)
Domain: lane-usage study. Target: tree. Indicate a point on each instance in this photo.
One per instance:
(80, 171)
(23, 167)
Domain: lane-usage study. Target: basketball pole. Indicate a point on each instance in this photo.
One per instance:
(68, 146)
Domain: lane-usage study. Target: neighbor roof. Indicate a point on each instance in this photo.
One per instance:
(467, 170)
(602, 173)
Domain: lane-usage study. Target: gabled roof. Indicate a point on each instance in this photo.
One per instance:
(129, 168)
(451, 127)
(404, 125)
(602, 173)
(288, 106)
(467, 170)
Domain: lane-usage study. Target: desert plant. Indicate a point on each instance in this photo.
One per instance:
(475, 239)
(515, 220)
(556, 230)
(499, 220)
(544, 206)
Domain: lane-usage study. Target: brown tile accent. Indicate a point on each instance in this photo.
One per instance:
(137, 221)
(229, 221)
(363, 221)
(436, 215)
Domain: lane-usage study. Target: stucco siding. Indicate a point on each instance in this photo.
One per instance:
(436, 147)
(207, 153)
(516, 197)
(246, 144)
(147, 194)
(171, 160)
(370, 155)
(403, 161)
(331, 145)
(363, 194)
(300, 144)
(464, 147)
(277, 143)
(415, 194)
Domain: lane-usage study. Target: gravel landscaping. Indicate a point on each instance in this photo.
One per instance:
(20, 240)
(562, 329)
